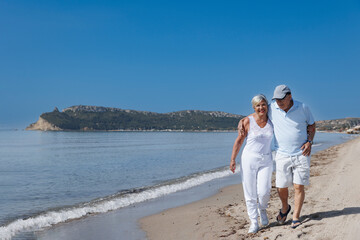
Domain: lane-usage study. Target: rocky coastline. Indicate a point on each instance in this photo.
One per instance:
(43, 125)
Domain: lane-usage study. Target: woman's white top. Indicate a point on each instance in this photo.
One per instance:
(259, 139)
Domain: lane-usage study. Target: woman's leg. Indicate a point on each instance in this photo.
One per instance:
(249, 174)
(264, 185)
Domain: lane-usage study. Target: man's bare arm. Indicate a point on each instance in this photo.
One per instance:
(311, 129)
(241, 127)
(311, 134)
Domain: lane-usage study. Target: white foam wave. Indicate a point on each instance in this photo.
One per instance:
(54, 217)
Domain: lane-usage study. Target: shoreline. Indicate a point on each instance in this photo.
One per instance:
(124, 222)
(330, 210)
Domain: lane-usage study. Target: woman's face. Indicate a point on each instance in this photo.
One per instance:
(261, 108)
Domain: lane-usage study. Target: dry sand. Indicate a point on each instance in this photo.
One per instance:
(331, 209)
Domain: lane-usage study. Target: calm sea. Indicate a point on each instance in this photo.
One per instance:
(51, 177)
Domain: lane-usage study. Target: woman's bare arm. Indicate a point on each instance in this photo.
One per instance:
(243, 124)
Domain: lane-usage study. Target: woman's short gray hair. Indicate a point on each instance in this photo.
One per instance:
(258, 98)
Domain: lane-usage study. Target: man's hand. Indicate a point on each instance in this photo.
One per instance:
(241, 128)
(306, 148)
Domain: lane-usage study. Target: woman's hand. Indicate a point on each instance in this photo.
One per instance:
(232, 166)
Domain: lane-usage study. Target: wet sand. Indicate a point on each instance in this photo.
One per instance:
(331, 209)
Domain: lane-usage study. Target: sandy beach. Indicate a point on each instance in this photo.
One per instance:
(331, 209)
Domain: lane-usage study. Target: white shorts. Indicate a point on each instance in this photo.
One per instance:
(292, 169)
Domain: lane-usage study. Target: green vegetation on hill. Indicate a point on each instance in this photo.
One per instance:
(99, 118)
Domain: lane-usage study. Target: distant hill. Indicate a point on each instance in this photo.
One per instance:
(88, 118)
(92, 118)
(337, 125)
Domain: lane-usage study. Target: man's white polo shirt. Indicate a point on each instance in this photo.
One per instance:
(290, 128)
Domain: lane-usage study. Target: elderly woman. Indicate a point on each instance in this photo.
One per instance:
(256, 161)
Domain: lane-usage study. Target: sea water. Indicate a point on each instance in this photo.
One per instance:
(51, 177)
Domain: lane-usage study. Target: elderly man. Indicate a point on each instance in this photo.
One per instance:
(294, 131)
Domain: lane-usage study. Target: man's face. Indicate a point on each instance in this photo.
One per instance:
(285, 103)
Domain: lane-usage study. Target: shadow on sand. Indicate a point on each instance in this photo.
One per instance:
(329, 214)
(319, 216)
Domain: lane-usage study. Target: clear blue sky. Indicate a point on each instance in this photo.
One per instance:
(165, 56)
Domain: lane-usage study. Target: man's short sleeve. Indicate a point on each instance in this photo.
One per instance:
(270, 106)
(309, 116)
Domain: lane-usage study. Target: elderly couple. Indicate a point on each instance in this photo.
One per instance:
(292, 125)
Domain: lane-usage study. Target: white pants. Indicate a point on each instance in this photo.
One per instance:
(256, 180)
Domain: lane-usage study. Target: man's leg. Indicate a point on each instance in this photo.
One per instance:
(284, 179)
(301, 178)
(299, 200)
(284, 195)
